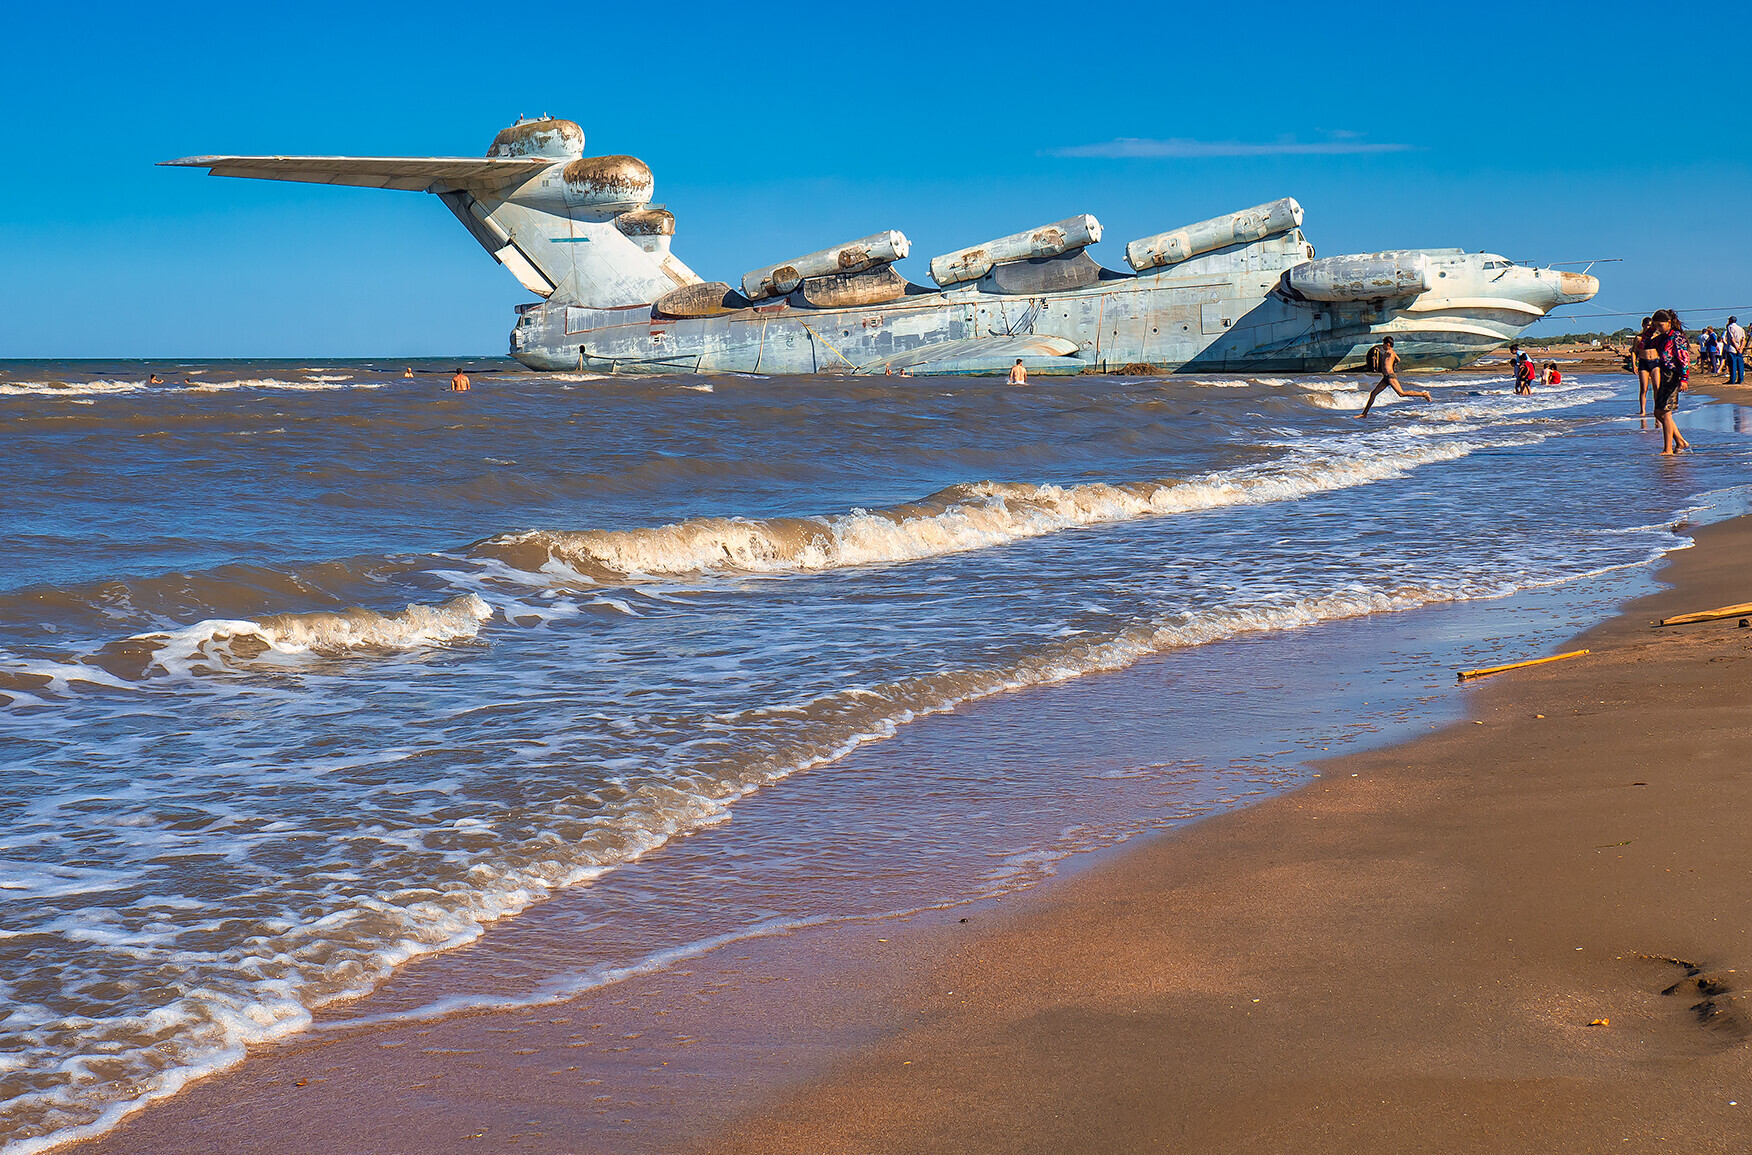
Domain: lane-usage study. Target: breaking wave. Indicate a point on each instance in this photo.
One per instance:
(78, 389)
(952, 520)
(332, 631)
(51, 389)
(217, 643)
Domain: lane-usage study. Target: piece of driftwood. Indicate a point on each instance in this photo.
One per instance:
(1487, 671)
(1709, 615)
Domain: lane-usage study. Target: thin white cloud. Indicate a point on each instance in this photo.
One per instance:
(1176, 146)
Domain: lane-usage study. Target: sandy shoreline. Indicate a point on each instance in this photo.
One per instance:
(1406, 955)
(1410, 935)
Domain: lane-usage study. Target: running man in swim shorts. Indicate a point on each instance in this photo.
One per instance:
(1390, 377)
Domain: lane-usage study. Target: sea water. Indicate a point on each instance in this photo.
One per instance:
(307, 671)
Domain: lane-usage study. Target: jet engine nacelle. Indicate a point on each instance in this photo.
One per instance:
(547, 136)
(1363, 277)
(608, 182)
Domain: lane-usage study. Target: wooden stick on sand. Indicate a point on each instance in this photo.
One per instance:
(1708, 615)
(1487, 671)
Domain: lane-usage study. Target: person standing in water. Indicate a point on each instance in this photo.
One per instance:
(1389, 377)
(1523, 369)
(459, 382)
(1018, 373)
(1648, 365)
(1673, 361)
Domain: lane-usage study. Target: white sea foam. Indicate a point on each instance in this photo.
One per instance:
(960, 518)
(312, 385)
(75, 390)
(70, 389)
(321, 632)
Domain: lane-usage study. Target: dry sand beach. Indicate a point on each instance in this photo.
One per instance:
(1525, 932)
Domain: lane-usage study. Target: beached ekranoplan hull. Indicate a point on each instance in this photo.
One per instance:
(1238, 293)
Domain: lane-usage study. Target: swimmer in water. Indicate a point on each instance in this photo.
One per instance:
(408, 372)
(1389, 376)
(155, 379)
(459, 382)
(1018, 373)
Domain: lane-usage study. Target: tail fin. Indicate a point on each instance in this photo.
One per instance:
(557, 230)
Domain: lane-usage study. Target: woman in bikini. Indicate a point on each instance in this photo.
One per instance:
(1648, 365)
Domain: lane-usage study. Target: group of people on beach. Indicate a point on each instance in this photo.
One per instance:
(1527, 372)
(1724, 352)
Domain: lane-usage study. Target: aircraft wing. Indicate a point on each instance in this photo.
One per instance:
(410, 173)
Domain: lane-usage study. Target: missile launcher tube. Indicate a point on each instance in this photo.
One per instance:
(1364, 277)
(856, 256)
(1248, 225)
(1046, 241)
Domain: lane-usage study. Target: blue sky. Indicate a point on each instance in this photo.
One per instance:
(1555, 133)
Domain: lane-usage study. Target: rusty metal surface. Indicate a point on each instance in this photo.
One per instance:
(1237, 293)
(873, 286)
(705, 299)
(608, 180)
(546, 137)
(646, 223)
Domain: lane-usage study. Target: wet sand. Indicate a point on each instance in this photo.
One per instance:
(1405, 955)
(1410, 954)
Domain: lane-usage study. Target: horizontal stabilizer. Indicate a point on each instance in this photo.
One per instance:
(984, 357)
(410, 173)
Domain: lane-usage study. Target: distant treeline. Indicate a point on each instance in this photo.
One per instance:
(1624, 334)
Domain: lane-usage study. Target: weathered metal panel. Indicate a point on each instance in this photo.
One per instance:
(1214, 317)
(1072, 270)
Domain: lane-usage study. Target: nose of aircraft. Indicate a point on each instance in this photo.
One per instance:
(1574, 287)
